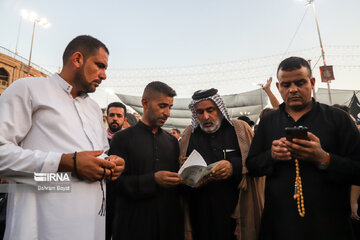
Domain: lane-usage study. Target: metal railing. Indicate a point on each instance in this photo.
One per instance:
(23, 60)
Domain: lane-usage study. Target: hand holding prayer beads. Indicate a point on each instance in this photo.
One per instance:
(86, 165)
(119, 168)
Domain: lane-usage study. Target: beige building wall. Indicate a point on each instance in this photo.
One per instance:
(12, 69)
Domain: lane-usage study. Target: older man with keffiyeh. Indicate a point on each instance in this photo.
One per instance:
(213, 209)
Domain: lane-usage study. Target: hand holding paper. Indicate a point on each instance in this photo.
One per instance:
(195, 169)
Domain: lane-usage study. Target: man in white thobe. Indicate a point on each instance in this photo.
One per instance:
(43, 122)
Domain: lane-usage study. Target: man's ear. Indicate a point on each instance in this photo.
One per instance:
(312, 81)
(277, 85)
(145, 103)
(77, 59)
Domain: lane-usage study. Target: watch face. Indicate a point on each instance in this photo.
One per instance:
(323, 165)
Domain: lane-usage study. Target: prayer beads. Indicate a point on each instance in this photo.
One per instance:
(298, 195)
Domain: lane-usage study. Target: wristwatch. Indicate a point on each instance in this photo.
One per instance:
(324, 164)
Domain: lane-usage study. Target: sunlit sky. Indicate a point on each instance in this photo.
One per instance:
(173, 34)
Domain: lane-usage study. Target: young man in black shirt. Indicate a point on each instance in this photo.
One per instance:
(307, 181)
(147, 202)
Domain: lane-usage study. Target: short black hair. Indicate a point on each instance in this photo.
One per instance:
(265, 111)
(293, 63)
(116, 104)
(87, 45)
(131, 119)
(158, 87)
(247, 120)
(177, 130)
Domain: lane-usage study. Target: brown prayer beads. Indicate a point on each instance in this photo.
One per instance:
(298, 191)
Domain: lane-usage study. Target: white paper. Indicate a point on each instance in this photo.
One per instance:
(195, 158)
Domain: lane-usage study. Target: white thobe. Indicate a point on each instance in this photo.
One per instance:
(39, 121)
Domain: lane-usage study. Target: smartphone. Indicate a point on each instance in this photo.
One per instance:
(299, 132)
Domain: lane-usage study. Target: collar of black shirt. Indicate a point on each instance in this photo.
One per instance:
(313, 109)
(148, 128)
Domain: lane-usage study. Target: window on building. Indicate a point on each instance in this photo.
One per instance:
(4, 77)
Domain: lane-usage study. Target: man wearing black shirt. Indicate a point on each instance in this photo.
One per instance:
(147, 201)
(317, 206)
(219, 139)
(116, 117)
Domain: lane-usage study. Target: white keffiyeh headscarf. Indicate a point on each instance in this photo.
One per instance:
(202, 95)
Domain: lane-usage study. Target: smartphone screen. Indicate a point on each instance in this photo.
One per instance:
(296, 132)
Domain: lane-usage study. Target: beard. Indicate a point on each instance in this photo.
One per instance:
(82, 83)
(115, 126)
(214, 127)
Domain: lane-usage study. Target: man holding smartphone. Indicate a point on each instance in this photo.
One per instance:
(308, 180)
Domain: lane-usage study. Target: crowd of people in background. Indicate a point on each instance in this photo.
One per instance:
(264, 184)
(204, 219)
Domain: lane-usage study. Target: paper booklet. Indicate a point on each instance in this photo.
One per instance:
(195, 169)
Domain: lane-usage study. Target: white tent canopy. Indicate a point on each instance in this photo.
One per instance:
(248, 103)
(338, 96)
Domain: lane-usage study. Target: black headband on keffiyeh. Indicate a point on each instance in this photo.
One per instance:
(202, 95)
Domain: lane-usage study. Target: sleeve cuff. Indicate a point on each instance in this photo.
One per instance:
(51, 163)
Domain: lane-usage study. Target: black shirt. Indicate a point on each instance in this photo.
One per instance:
(212, 205)
(326, 192)
(145, 210)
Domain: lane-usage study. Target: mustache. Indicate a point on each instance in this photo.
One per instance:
(294, 95)
(207, 121)
(114, 122)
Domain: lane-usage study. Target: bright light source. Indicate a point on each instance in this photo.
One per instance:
(24, 14)
(43, 22)
(32, 17)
